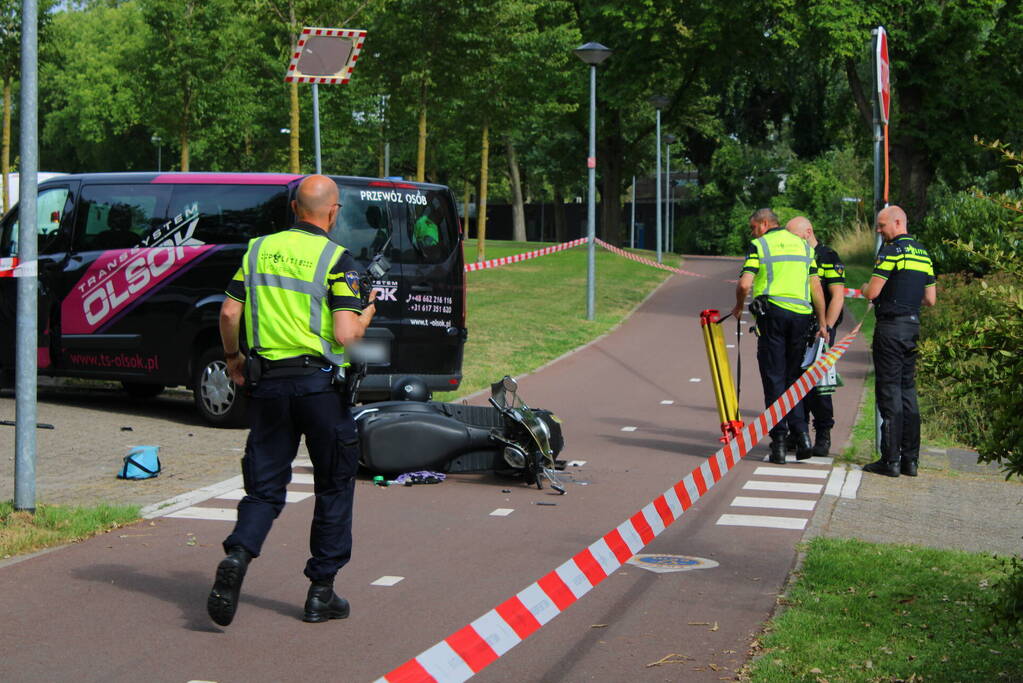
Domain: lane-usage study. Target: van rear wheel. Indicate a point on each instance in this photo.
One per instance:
(221, 402)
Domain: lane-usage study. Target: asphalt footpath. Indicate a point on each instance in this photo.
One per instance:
(639, 414)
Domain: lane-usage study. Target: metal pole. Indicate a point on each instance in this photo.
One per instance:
(878, 205)
(591, 204)
(667, 197)
(316, 125)
(26, 369)
(387, 159)
(159, 158)
(632, 229)
(657, 203)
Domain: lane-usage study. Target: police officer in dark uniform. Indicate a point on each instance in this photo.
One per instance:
(299, 294)
(831, 271)
(781, 272)
(903, 279)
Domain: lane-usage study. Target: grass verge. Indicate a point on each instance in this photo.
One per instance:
(527, 314)
(23, 532)
(869, 612)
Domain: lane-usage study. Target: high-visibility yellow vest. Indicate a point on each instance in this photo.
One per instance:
(286, 309)
(785, 265)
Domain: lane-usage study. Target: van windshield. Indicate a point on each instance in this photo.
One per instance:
(363, 225)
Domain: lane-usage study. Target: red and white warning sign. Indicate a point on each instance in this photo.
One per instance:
(325, 55)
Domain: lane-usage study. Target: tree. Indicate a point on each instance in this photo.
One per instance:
(954, 70)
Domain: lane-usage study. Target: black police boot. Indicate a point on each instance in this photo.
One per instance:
(791, 442)
(322, 603)
(777, 455)
(882, 466)
(907, 467)
(223, 599)
(822, 442)
(804, 448)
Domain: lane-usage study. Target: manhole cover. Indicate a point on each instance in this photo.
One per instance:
(662, 564)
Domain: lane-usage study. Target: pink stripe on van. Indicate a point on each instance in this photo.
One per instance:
(226, 178)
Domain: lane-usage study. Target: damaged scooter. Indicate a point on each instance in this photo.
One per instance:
(508, 437)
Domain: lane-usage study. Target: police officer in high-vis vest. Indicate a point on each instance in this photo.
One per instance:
(781, 272)
(299, 295)
(903, 279)
(831, 271)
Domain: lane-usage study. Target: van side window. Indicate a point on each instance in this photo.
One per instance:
(51, 205)
(118, 216)
(363, 225)
(432, 231)
(232, 214)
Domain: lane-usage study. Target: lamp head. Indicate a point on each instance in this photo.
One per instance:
(660, 101)
(592, 53)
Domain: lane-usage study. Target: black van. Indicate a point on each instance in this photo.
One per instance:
(133, 266)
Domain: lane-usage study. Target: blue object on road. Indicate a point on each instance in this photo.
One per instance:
(142, 462)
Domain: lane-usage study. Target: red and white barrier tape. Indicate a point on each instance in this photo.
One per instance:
(494, 263)
(470, 649)
(505, 260)
(12, 267)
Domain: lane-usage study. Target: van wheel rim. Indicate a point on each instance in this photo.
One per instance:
(217, 389)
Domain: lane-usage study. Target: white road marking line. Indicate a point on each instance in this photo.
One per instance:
(812, 460)
(774, 503)
(629, 429)
(212, 514)
(387, 580)
(189, 499)
(765, 521)
(575, 463)
(835, 482)
(790, 472)
(290, 496)
(782, 487)
(695, 379)
(852, 483)
(302, 462)
(502, 512)
(302, 478)
(667, 403)
(729, 346)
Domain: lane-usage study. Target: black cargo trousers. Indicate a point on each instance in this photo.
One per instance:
(781, 343)
(281, 411)
(895, 351)
(819, 405)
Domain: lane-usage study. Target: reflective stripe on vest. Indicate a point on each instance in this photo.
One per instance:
(767, 260)
(316, 290)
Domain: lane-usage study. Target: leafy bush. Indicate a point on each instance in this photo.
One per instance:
(973, 352)
(970, 218)
(817, 188)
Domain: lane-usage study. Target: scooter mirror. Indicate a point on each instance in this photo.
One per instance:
(510, 385)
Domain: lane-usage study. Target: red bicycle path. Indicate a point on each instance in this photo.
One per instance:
(130, 605)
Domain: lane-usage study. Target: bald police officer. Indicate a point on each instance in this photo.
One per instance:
(299, 294)
(831, 271)
(903, 279)
(781, 272)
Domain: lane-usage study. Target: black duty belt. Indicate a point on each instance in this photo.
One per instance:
(296, 363)
(897, 316)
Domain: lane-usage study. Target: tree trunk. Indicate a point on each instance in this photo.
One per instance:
(518, 210)
(560, 223)
(5, 155)
(465, 209)
(481, 209)
(421, 150)
(185, 158)
(293, 157)
(612, 149)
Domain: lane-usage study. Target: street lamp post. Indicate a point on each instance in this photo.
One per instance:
(669, 139)
(659, 102)
(592, 54)
(158, 141)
